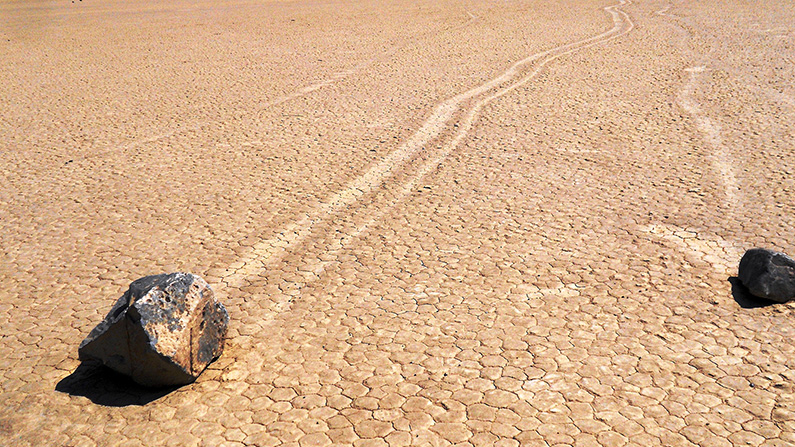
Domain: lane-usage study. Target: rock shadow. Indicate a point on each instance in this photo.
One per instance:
(743, 296)
(103, 386)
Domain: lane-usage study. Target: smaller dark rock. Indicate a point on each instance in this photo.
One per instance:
(768, 274)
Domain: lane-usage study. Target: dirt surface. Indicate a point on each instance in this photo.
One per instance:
(432, 222)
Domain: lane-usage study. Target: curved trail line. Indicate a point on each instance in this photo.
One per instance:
(471, 117)
(196, 126)
(303, 91)
(268, 251)
(719, 158)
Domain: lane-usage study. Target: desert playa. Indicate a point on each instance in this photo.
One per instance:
(470, 222)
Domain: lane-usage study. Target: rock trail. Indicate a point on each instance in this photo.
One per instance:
(445, 129)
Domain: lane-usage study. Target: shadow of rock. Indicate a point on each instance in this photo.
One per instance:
(744, 297)
(104, 386)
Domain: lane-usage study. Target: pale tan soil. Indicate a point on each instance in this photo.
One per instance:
(409, 252)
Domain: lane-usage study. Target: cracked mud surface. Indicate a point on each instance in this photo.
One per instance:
(432, 223)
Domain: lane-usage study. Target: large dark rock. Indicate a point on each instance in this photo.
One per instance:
(768, 274)
(163, 331)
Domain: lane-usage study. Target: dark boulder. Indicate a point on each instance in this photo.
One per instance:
(163, 331)
(768, 274)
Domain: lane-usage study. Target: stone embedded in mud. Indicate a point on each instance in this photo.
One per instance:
(163, 331)
(768, 274)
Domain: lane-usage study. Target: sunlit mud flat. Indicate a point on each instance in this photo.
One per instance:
(431, 223)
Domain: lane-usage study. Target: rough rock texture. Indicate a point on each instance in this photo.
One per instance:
(768, 274)
(163, 331)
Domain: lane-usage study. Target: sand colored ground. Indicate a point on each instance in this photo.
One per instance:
(432, 222)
